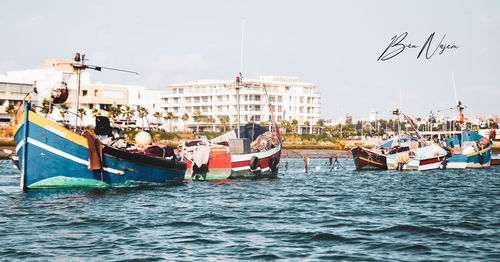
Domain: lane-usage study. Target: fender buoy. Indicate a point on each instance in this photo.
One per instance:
(273, 164)
(480, 159)
(254, 163)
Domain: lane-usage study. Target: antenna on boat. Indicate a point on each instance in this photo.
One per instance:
(79, 65)
(239, 78)
(242, 42)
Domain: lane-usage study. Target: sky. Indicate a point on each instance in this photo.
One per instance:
(333, 44)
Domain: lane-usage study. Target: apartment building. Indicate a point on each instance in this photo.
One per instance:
(290, 98)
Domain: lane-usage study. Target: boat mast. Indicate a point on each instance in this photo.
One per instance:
(79, 65)
(239, 79)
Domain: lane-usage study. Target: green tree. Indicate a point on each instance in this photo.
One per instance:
(81, 113)
(224, 120)
(128, 113)
(197, 118)
(63, 110)
(211, 121)
(185, 118)
(96, 112)
(11, 110)
(170, 116)
(142, 112)
(294, 125)
(320, 124)
(285, 125)
(158, 116)
(308, 126)
(46, 107)
(113, 112)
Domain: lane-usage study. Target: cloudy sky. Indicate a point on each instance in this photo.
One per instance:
(334, 44)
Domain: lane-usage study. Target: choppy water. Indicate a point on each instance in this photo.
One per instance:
(349, 215)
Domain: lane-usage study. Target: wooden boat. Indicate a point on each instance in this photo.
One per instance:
(423, 158)
(366, 159)
(224, 162)
(52, 156)
(469, 150)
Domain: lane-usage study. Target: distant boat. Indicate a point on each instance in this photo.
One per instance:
(52, 156)
(423, 158)
(469, 150)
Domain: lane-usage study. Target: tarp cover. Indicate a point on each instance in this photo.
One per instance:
(467, 136)
(250, 129)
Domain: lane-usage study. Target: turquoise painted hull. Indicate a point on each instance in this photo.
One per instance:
(49, 160)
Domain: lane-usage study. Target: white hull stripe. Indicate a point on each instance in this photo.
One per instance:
(70, 157)
(248, 168)
(21, 144)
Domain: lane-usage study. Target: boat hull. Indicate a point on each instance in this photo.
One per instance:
(418, 165)
(51, 156)
(425, 158)
(236, 167)
(366, 159)
(472, 160)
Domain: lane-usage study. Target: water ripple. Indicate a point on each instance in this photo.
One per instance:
(320, 215)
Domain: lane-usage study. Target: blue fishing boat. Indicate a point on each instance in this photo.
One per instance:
(469, 150)
(52, 156)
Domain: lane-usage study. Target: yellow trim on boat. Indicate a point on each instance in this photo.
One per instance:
(368, 160)
(57, 129)
(482, 151)
(17, 123)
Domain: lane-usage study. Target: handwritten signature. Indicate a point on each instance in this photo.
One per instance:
(397, 46)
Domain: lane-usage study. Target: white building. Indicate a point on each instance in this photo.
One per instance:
(290, 100)
(14, 85)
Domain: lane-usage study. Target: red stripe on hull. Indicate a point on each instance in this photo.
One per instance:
(430, 161)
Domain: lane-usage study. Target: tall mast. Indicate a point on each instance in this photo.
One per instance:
(239, 79)
(79, 65)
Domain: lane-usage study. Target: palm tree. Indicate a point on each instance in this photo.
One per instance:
(128, 113)
(142, 112)
(224, 120)
(63, 110)
(285, 125)
(11, 110)
(158, 115)
(96, 112)
(197, 118)
(113, 112)
(307, 124)
(82, 112)
(211, 120)
(46, 107)
(185, 118)
(170, 117)
(294, 124)
(319, 124)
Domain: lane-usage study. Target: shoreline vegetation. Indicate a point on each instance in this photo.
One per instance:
(323, 145)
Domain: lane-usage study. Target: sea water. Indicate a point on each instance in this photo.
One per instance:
(323, 214)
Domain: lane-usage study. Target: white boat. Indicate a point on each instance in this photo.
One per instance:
(424, 158)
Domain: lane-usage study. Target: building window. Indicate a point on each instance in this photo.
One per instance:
(96, 92)
(280, 99)
(84, 92)
(91, 106)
